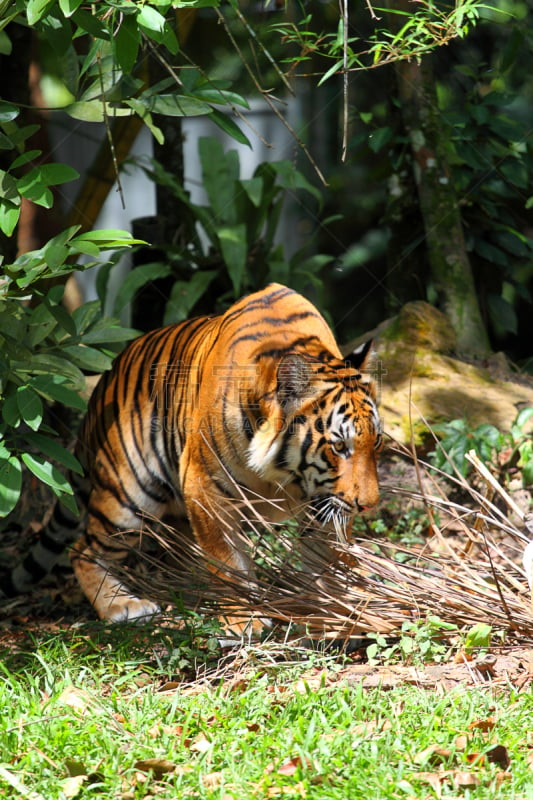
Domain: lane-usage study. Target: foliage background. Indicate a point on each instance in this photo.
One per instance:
(353, 177)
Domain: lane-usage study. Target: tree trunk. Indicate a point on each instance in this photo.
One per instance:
(448, 260)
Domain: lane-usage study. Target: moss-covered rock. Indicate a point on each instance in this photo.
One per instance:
(421, 382)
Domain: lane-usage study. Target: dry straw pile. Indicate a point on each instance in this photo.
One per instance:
(344, 589)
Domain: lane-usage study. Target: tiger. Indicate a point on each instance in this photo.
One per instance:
(256, 403)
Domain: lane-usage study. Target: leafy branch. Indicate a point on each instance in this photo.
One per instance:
(423, 29)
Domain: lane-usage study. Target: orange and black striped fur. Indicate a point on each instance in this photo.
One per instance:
(256, 402)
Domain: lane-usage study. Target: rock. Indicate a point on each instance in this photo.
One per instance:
(422, 383)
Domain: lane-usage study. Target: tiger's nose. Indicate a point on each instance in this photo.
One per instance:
(361, 509)
(367, 501)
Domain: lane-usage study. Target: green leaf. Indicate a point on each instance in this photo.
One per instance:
(331, 71)
(68, 7)
(185, 294)
(87, 358)
(53, 389)
(42, 323)
(225, 123)
(9, 203)
(137, 278)
(150, 20)
(29, 155)
(220, 172)
(38, 194)
(55, 174)
(30, 407)
(36, 9)
(234, 250)
(86, 315)
(154, 25)
(34, 185)
(107, 332)
(53, 449)
(146, 117)
(175, 105)
(55, 255)
(92, 24)
(108, 238)
(219, 96)
(86, 111)
(291, 178)
(6, 45)
(10, 484)
(63, 319)
(526, 462)
(479, 635)
(49, 364)
(126, 43)
(523, 416)
(253, 188)
(9, 216)
(47, 473)
(379, 138)
(11, 411)
(502, 313)
(8, 111)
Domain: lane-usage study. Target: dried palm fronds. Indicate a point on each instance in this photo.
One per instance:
(370, 584)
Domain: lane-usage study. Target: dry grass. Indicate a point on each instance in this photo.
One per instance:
(367, 585)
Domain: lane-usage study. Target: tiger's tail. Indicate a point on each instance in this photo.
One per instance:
(63, 528)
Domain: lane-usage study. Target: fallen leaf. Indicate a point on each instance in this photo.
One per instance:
(371, 727)
(170, 730)
(169, 686)
(212, 780)
(464, 779)
(483, 724)
(434, 754)
(433, 778)
(77, 699)
(499, 755)
(291, 766)
(184, 769)
(159, 766)
(201, 744)
(253, 727)
(71, 787)
(295, 789)
(503, 776)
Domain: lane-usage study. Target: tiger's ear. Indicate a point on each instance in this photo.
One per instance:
(362, 358)
(293, 380)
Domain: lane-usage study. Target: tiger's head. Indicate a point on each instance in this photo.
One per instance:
(320, 434)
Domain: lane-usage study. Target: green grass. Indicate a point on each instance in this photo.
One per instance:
(98, 704)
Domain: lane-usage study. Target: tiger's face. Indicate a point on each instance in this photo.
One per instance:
(326, 440)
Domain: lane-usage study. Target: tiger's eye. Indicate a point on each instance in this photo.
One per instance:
(339, 446)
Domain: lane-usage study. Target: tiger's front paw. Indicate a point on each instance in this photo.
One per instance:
(129, 609)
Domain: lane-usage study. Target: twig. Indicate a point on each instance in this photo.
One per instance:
(472, 457)
(108, 131)
(269, 101)
(345, 85)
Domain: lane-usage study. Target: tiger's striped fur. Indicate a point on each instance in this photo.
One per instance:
(257, 402)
